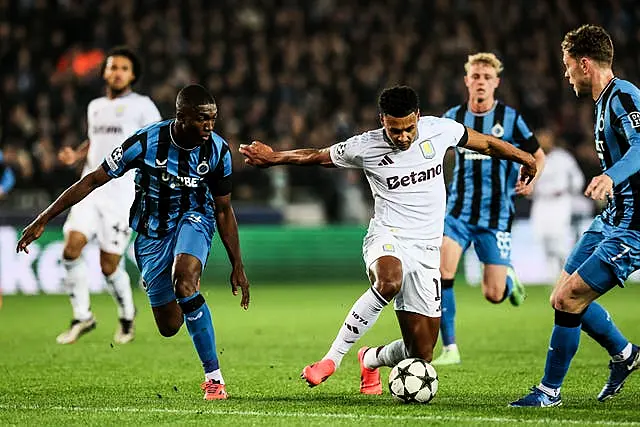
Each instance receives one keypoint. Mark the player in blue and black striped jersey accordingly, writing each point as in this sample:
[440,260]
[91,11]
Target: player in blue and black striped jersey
[609,251]
[183,191]
[480,205]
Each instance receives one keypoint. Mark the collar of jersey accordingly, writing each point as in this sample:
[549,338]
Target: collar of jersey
[173,141]
[489,111]
[605,88]
[388,140]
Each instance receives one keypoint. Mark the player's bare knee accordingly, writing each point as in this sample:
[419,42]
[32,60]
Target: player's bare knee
[108,267]
[168,330]
[72,251]
[493,293]
[185,282]
[388,287]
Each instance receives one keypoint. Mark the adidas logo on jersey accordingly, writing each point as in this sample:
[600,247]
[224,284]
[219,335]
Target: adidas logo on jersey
[385,161]
[394,182]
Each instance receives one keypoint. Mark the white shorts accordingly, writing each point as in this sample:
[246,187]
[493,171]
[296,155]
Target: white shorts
[420,291]
[108,223]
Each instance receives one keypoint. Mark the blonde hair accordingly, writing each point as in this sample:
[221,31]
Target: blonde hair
[484,58]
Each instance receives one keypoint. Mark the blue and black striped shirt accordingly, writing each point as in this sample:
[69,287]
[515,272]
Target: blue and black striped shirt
[482,191]
[170,181]
[617,136]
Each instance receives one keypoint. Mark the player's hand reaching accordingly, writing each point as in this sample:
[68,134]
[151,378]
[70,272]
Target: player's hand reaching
[257,154]
[600,188]
[528,171]
[523,189]
[31,232]
[239,279]
[67,156]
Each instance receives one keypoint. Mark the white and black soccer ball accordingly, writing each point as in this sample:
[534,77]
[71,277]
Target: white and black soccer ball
[413,381]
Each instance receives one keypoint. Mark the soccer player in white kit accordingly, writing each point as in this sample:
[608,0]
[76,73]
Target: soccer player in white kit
[104,214]
[553,198]
[403,164]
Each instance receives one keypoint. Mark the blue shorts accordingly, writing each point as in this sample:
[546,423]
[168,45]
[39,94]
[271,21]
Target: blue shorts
[154,256]
[605,256]
[492,246]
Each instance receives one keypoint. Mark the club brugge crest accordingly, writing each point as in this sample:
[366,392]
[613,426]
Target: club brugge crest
[202,168]
[497,130]
[427,149]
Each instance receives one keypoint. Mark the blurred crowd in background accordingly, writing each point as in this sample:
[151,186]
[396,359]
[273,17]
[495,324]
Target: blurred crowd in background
[292,73]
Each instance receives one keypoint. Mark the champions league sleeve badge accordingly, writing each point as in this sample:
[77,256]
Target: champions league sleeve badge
[202,168]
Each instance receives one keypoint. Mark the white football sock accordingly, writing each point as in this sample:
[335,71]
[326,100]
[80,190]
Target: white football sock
[388,355]
[553,392]
[361,317]
[119,286]
[624,354]
[450,347]
[75,283]
[214,375]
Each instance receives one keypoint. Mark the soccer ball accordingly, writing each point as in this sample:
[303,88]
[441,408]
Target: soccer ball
[413,381]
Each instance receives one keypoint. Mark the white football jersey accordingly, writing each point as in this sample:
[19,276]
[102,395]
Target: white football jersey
[110,122]
[407,186]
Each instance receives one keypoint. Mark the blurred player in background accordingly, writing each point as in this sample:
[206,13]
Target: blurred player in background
[7,181]
[609,251]
[403,164]
[103,215]
[183,190]
[480,208]
[553,198]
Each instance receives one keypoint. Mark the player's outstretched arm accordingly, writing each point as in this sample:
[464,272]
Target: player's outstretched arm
[494,147]
[263,156]
[228,228]
[68,198]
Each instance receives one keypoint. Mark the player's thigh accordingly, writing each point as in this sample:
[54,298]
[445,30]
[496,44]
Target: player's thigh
[383,257]
[154,257]
[419,333]
[450,254]
[456,240]
[191,251]
[492,246]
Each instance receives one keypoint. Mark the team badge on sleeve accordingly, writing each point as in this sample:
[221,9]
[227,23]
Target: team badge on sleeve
[634,118]
[427,149]
[114,158]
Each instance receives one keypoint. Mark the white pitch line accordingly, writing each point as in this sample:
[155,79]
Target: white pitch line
[452,418]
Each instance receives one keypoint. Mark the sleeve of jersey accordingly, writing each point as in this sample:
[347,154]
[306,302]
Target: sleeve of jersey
[124,157]
[220,180]
[523,135]
[627,124]
[348,154]
[456,133]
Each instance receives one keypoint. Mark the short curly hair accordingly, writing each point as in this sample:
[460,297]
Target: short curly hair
[589,41]
[398,101]
[136,67]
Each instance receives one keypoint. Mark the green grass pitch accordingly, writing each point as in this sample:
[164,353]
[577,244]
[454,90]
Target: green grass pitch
[155,380]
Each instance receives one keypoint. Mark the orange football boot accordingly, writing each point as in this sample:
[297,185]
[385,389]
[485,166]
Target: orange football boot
[369,378]
[318,372]
[214,390]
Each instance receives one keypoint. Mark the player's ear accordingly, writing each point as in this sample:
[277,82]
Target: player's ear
[585,64]
[381,117]
[497,81]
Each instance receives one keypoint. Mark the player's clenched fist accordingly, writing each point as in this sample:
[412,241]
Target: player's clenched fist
[257,154]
